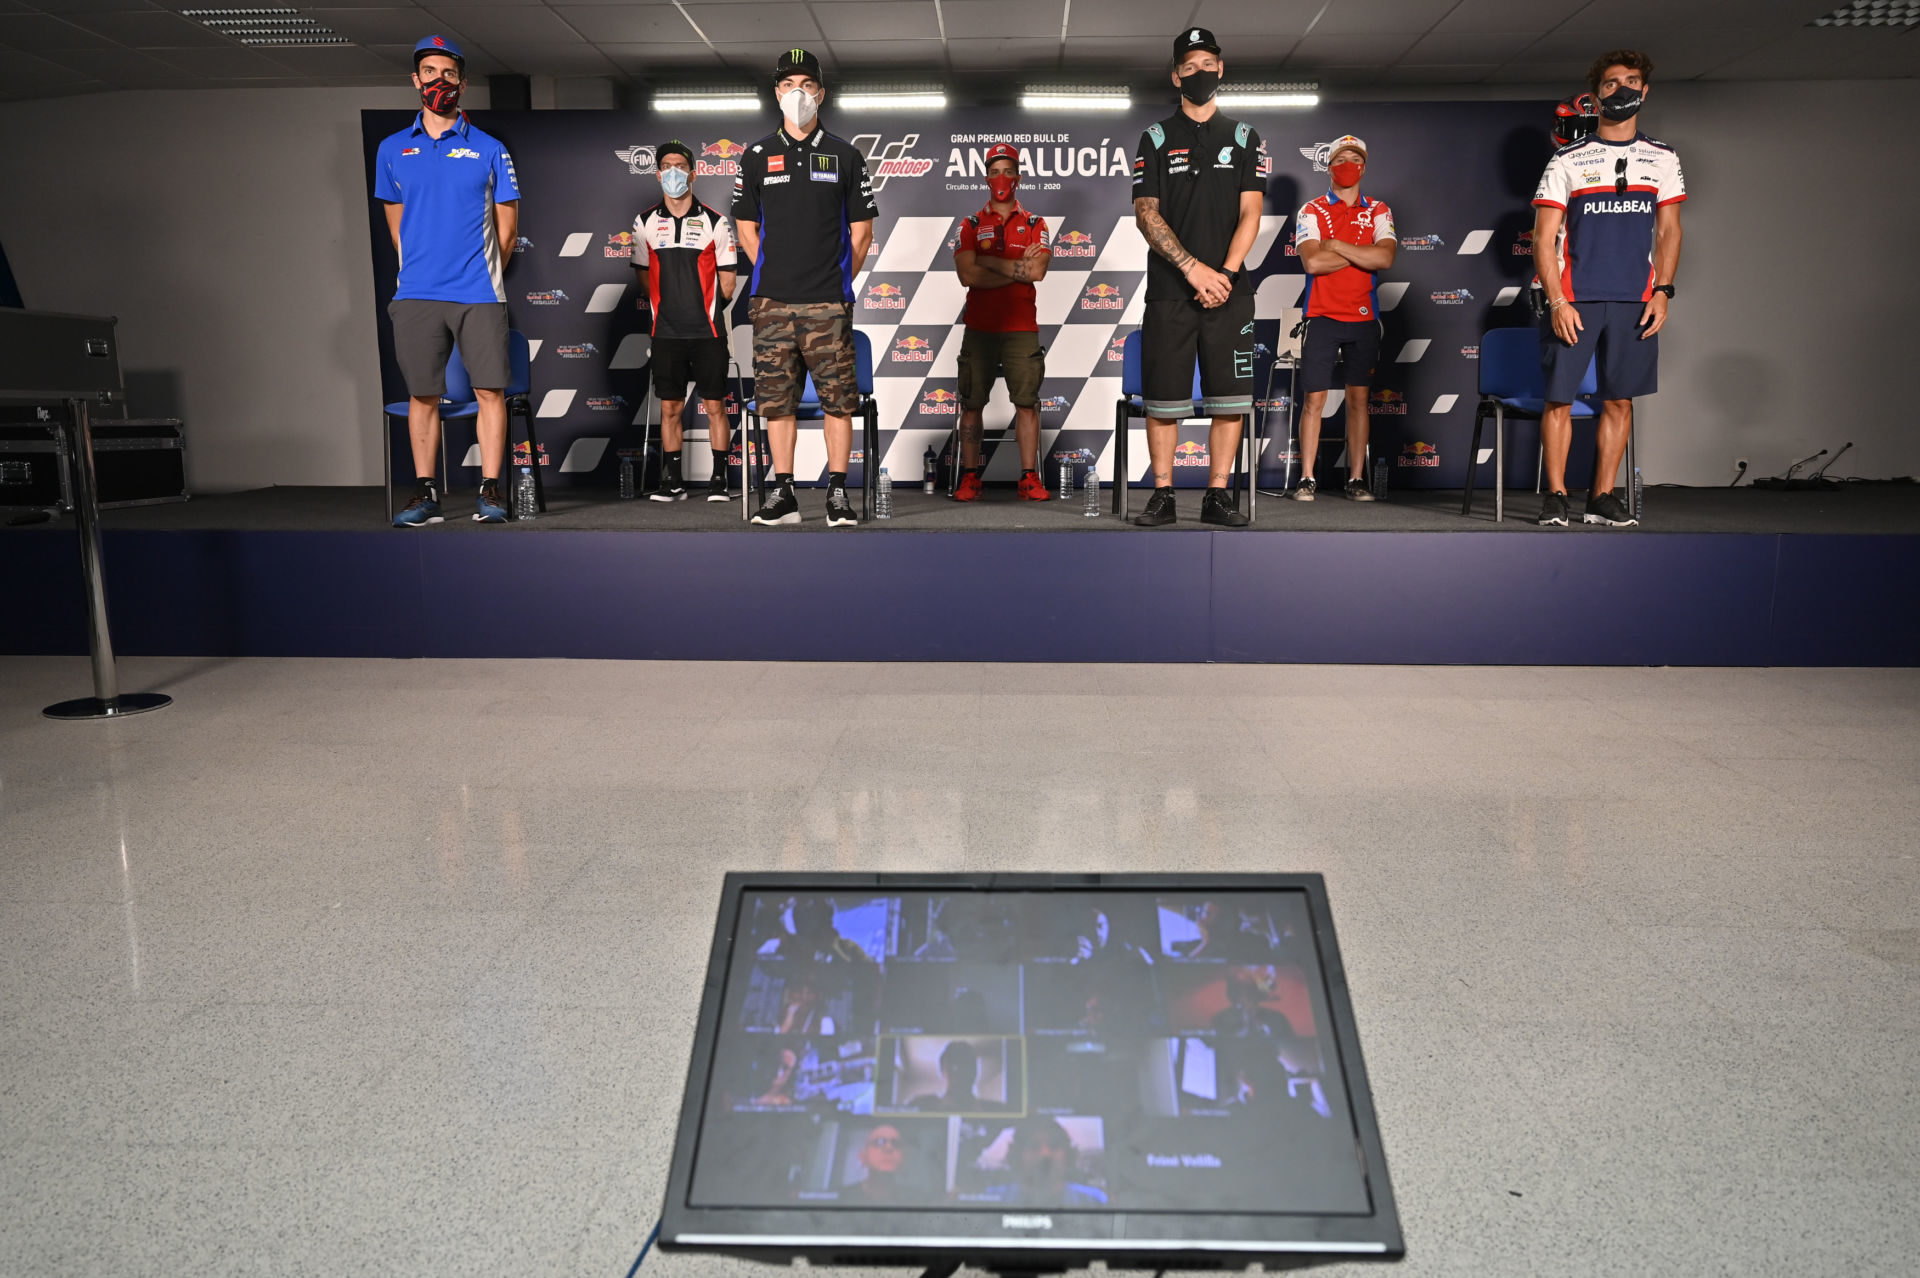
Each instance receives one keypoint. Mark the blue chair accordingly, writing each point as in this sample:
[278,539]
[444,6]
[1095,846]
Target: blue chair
[459,401]
[754,446]
[1132,403]
[1513,385]
[651,412]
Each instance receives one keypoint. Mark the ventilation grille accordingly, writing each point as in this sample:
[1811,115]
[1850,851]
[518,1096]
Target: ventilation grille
[1872,13]
[265,26]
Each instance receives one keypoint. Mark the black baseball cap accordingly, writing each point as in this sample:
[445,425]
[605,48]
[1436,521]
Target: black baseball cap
[673,147]
[1194,38]
[797,62]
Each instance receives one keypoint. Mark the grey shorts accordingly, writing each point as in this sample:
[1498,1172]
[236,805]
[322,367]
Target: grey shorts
[424,334]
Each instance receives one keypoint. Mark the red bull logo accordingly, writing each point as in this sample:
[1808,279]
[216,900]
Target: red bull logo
[725,148]
[1190,452]
[1523,244]
[724,161]
[1421,243]
[1386,403]
[1470,352]
[583,350]
[1117,350]
[1420,455]
[1103,297]
[1451,297]
[619,244]
[885,297]
[913,350]
[520,454]
[547,297]
[940,401]
[606,403]
[1074,244]
[1055,404]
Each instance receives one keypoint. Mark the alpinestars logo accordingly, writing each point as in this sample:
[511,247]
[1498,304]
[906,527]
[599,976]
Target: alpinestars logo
[1319,153]
[890,160]
[638,159]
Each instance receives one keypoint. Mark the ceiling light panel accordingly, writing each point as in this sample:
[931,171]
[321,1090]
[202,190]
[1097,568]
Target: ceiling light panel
[265,26]
[1872,13]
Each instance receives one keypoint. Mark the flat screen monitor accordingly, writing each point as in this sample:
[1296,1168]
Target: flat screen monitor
[1028,1072]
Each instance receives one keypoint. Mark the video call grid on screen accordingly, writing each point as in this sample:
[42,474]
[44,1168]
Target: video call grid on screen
[1098,1050]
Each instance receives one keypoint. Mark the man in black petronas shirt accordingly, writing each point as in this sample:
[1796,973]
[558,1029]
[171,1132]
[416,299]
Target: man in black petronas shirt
[1197,198]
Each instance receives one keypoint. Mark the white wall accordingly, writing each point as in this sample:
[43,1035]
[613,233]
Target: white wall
[227,229]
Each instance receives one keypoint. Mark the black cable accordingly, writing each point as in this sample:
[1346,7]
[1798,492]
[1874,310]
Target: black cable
[645,1247]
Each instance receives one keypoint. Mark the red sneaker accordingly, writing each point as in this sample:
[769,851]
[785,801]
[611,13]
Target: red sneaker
[969,489]
[1032,489]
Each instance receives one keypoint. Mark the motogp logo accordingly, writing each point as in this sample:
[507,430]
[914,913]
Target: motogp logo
[891,160]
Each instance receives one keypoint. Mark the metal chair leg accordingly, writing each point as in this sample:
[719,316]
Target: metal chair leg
[386,460]
[1633,491]
[1473,460]
[1499,464]
[1121,470]
[446,471]
[870,459]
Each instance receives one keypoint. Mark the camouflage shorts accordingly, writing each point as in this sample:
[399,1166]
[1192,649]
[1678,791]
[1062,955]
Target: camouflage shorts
[791,339]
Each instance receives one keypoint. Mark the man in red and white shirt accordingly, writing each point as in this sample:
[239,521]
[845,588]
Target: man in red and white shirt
[1002,252]
[1343,239]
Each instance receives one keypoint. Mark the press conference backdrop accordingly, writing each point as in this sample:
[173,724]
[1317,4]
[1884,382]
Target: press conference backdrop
[1458,176]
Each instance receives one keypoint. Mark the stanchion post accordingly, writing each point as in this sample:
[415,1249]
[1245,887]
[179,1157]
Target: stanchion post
[106,701]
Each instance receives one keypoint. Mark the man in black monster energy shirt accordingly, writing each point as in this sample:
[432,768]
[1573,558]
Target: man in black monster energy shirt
[1197,198]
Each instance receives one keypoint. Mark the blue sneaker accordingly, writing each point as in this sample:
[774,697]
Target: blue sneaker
[418,513]
[488,509]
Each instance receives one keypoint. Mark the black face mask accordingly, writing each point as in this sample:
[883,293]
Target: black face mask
[1199,86]
[1621,104]
[442,97]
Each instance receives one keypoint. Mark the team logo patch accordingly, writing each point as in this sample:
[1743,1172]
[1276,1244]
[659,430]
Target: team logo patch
[463,153]
[1225,158]
[826,168]
[638,159]
[1387,403]
[1074,244]
[619,244]
[1418,453]
[549,297]
[776,164]
[1103,297]
[1450,297]
[412,150]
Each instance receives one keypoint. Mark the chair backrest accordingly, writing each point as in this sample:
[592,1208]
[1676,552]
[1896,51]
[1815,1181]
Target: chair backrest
[862,362]
[520,364]
[459,385]
[1131,383]
[1510,366]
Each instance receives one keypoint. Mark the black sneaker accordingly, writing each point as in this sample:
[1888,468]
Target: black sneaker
[1553,511]
[1357,490]
[1159,512]
[717,487]
[781,507]
[1608,509]
[1217,508]
[840,513]
[1307,490]
[672,488]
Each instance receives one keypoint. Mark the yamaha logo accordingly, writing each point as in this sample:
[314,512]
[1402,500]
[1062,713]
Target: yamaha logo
[1026,1222]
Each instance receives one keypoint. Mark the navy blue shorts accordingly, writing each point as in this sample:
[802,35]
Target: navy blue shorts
[1354,344]
[1629,366]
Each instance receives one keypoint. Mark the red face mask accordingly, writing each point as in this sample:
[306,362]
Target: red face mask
[1347,173]
[442,97]
[1002,187]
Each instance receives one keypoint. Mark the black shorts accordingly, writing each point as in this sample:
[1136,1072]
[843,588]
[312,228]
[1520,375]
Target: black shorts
[679,360]
[1330,342]
[1176,330]
[424,334]
[1628,364]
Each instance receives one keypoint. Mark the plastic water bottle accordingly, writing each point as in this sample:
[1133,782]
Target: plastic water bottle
[883,498]
[525,503]
[1637,490]
[1090,486]
[930,471]
[1380,477]
[626,479]
[1065,462]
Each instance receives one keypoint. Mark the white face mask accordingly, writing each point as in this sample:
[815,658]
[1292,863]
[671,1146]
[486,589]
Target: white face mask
[798,106]
[674,182]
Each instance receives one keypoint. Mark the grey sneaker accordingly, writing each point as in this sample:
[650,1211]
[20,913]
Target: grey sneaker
[1306,491]
[1357,490]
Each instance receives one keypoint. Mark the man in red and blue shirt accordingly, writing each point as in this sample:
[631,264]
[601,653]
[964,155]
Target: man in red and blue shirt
[1344,239]
[453,210]
[1606,245]
[1002,252]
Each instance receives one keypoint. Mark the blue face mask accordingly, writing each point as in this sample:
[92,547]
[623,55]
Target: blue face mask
[675,182]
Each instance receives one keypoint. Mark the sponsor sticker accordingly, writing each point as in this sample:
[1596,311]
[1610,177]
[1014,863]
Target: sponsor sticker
[885,297]
[581,350]
[1470,352]
[547,297]
[912,350]
[412,150]
[1074,244]
[1103,297]
[1421,243]
[1450,297]
[606,403]
[1387,403]
[1420,454]
[1190,452]
[619,244]
[463,153]
[940,401]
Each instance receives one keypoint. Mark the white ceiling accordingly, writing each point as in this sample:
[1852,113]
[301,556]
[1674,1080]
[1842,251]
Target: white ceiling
[53,47]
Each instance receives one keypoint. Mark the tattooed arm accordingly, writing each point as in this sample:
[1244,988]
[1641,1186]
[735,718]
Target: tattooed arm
[1209,285]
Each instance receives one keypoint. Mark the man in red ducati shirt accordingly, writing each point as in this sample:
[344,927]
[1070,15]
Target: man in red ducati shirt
[1003,251]
[1343,238]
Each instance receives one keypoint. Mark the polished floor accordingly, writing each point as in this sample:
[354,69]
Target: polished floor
[389,968]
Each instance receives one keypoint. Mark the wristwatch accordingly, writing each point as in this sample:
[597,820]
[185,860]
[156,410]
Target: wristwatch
[1664,288]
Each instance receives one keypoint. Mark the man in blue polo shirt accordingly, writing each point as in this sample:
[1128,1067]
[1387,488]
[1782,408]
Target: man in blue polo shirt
[453,210]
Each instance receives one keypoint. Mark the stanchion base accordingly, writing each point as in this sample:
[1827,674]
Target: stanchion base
[119,708]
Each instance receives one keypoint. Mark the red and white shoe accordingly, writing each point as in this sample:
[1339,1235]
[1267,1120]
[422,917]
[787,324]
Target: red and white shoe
[969,489]
[1032,488]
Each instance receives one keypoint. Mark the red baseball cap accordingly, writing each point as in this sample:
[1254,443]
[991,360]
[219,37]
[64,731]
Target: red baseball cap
[1002,151]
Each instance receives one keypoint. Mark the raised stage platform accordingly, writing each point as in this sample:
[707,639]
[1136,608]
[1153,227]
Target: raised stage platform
[1715,577]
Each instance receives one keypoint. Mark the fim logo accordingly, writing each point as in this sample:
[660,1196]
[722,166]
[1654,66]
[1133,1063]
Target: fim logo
[1523,244]
[1470,352]
[942,402]
[1190,452]
[913,350]
[606,403]
[1055,404]
[551,297]
[719,159]
[520,455]
[619,244]
[585,350]
[1073,244]
[1421,243]
[1117,350]
[1387,403]
[885,297]
[1451,297]
[1419,454]
[1103,297]
[521,244]
[888,161]
[1319,153]
[638,159]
